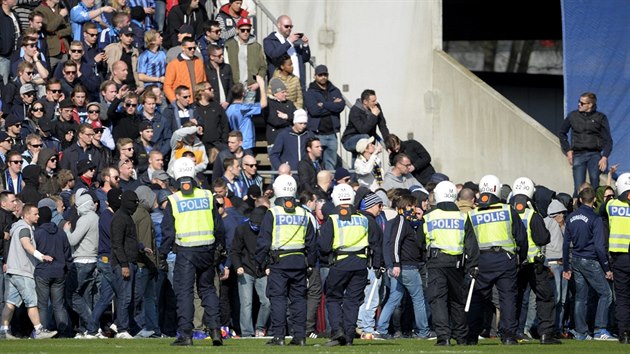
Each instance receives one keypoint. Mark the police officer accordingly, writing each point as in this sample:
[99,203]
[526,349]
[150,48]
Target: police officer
[347,240]
[286,249]
[618,211]
[533,271]
[453,253]
[192,222]
[501,238]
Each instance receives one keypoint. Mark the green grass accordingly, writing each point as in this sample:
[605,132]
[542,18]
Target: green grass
[257,346]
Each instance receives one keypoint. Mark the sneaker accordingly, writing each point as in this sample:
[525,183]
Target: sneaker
[124,335]
[43,333]
[522,338]
[430,336]
[144,334]
[603,334]
[86,335]
[382,336]
[398,335]
[260,333]
[6,335]
[113,327]
[312,335]
[583,337]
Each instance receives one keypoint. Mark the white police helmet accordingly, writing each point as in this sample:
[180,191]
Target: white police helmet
[524,186]
[284,186]
[445,191]
[490,184]
[183,167]
[343,194]
[623,183]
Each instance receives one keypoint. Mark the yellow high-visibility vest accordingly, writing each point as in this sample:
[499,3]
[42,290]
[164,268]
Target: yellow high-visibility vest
[289,229]
[493,227]
[350,235]
[445,230]
[194,222]
[619,219]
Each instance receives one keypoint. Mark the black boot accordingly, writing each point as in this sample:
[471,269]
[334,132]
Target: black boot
[217,339]
[624,338]
[276,341]
[509,341]
[298,341]
[182,341]
[443,343]
[338,338]
[549,339]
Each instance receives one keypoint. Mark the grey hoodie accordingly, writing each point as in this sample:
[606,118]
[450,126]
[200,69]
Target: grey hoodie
[84,239]
[19,262]
[144,225]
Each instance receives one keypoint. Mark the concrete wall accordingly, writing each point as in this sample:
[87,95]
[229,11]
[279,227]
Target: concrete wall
[394,47]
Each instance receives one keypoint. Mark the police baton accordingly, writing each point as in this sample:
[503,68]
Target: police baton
[372,292]
[470,292]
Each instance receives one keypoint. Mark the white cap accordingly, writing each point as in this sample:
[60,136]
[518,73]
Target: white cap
[362,144]
[343,194]
[524,186]
[623,183]
[183,167]
[300,116]
[490,184]
[445,191]
[284,186]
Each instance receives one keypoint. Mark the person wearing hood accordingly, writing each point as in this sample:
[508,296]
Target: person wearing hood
[555,223]
[47,159]
[290,144]
[450,239]
[364,117]
[50,278]
[533,272]
[228,17]
[324,103]
[86,173]
[145,297]
[30,192]
[107,284]
[245,71]
[502,241]
[125,247]
[191,222]
[84,241]
[56,217]
[591,141]
[188,12]
[82,149]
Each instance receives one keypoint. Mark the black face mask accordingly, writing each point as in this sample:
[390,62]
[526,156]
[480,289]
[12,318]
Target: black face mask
[129,202]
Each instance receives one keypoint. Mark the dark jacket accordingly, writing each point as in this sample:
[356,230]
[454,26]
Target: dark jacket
[225,74]
[274,50]
[181,15]
[585,231]
[104,233]
[161,132]
[49,183]
[123,125]
[289,147]
[439,259]
[590,131]
[30,192]
[419,157]
[274,123]
[403,245]
[307,173]
[124,239]
[362,121]
[52,241]
[75,153]
[7,34]
[215,124]
[323,120]
[7,219]
[243,250]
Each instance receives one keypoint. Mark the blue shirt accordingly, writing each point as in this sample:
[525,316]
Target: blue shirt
[240,118]
[152,64]
[585,230]
[78,16]
[149,22]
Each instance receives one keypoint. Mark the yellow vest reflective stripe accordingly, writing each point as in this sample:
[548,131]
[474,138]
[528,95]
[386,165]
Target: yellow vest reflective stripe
[619,219]
[289,229]
[194,222]
[493,227]
[350,235]
[445,230]
[532,249]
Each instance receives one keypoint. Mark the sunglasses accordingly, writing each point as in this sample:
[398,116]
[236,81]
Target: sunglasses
[19,125]
[288,26]
[99,131]
[251,165]
[216,31]
[129,105]
[31,45]
[243,30]
[91,34]
[16,162]
[128,149]
[94,111]
[191,48]
[54,159]
[76,50]
[37,145]
[70,72]
[55,91]
[28,72]
[37,109]
[186,97]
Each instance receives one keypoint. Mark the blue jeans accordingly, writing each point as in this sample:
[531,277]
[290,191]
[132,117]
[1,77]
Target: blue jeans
[106,290]
[124,292]
[367,311]
[351,144]
[246,285]
[588,273]
[145,300]
[80,282]
[160,14]
[53,290]
[329,155]
[582,162]
[560,294]
[5,69]
[409,279]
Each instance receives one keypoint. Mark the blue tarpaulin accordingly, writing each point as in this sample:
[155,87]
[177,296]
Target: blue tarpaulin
[596,37]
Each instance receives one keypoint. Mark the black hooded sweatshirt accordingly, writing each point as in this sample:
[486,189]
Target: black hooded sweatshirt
[30,193]
[124,239]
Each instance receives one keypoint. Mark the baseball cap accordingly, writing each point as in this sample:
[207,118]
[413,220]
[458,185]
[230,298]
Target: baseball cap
[243,21]
[186,28]
[362,144]
[144,126]
[321,69]
[126,31]
[26,88]
[67,103]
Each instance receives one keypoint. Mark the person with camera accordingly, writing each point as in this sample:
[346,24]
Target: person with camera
[192,222]
[533,271]
[283,41]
